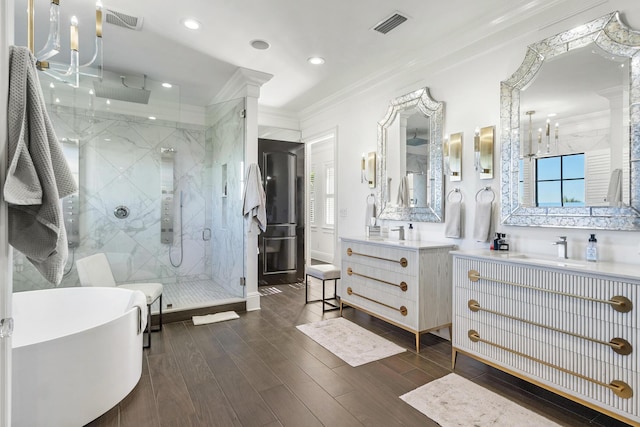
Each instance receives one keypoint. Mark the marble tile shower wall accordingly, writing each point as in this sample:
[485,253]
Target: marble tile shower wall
[120,165]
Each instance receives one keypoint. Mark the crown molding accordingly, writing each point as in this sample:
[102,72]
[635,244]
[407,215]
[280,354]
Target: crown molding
[244,82]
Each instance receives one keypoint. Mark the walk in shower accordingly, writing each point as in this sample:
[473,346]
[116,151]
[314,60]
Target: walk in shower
[160,193]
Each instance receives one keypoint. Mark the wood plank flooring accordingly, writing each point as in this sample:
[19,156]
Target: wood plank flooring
[259,370]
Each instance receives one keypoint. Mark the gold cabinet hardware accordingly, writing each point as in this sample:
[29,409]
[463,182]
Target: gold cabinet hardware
[618,302]
[619,345]
[403,285]
[402,309]
[403,261]
[620,388]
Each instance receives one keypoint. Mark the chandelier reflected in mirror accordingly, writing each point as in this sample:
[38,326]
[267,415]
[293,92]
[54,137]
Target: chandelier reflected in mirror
[528,150]
[67,73]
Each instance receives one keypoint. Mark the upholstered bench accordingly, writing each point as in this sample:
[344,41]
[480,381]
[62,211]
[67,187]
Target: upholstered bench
[323,272]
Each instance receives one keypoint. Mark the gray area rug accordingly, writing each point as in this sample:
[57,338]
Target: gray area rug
[453,401]
[350,342]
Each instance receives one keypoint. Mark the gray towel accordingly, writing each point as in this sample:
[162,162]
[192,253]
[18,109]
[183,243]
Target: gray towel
[254,198]
[482,223]
[453,216]
[38,174]
[403,192]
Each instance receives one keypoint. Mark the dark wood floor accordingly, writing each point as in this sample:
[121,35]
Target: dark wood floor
[260,370]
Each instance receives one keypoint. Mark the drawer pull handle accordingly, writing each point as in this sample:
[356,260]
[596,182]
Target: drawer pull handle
[619,345]
[620,388]
[403,261]
[618,302]
[403,285]
[402,309]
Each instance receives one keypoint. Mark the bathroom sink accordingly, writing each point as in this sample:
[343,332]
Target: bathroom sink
[553,262]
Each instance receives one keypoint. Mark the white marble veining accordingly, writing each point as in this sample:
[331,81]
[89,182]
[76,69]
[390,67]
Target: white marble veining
[120,165]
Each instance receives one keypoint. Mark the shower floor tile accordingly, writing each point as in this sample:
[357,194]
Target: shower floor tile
[193,294]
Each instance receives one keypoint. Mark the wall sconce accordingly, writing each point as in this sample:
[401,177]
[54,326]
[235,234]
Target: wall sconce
[445,156]
[476,149]
[486,140]
[455,156]
[371,169]
[368,169]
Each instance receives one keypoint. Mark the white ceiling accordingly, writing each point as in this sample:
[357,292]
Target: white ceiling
[202,61]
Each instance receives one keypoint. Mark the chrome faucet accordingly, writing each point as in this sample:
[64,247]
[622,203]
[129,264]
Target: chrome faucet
[562,247]
[400,231]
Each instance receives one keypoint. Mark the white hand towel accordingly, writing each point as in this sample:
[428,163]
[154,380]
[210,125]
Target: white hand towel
[38,174]
[403,192]
[614,193]
[482,223]
[254,200]
[370,211]
[453,217]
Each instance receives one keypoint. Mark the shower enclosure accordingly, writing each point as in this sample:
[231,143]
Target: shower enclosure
[128,208]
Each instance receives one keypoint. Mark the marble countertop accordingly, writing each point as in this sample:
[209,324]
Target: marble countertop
[628,271]
[412,244]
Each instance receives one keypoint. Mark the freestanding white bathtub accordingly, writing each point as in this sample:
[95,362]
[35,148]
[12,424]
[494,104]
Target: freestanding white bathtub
[77,352]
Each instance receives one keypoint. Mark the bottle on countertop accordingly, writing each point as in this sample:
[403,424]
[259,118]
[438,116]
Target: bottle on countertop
[410,231]
[592,249]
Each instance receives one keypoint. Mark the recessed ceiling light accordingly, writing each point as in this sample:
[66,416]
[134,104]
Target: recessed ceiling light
[167,85]
[51,85]
[152,117]
[90,91]
[57,100]
[190,23]
[316,60]
[260,44]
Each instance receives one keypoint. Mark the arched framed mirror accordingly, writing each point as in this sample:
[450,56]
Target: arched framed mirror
[570,118]
[410,159]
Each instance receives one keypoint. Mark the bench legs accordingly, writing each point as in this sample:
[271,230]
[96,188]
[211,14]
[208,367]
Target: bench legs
[325,301]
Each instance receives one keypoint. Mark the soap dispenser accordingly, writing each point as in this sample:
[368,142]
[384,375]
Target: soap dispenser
[410,232]
[592,249]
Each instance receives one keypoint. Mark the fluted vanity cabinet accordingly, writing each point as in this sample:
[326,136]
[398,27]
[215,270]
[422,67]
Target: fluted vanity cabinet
[406,283]
[570,327]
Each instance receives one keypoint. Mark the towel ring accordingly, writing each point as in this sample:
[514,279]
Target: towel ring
[493,195]
[453,192]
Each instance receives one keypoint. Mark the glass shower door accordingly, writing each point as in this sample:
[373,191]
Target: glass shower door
[223,233]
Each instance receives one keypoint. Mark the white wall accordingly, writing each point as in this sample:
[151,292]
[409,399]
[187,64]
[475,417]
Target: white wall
[467,79]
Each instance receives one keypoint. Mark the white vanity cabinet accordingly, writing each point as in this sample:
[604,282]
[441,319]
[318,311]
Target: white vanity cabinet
[406,283]
[571,328]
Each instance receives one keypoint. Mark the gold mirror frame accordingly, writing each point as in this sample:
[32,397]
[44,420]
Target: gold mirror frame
[613,36]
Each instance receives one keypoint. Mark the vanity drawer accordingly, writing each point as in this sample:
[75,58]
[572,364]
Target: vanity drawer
[398,260]
[580,374]
[379,280]
[384,305]
[562,292]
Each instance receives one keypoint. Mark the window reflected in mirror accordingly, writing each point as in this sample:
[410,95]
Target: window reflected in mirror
[575,110]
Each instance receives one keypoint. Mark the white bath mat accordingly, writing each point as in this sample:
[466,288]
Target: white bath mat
[212,318]
[350,342]
[453,401]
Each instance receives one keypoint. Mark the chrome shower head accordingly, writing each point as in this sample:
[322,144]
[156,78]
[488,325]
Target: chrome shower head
[122,92]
